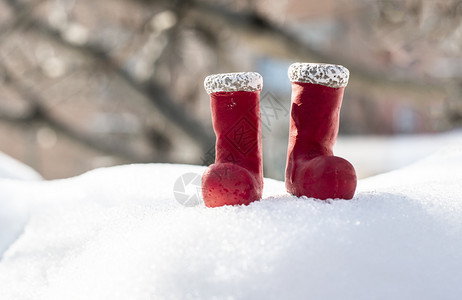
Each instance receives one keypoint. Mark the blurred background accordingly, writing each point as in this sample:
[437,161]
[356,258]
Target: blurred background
[87,84]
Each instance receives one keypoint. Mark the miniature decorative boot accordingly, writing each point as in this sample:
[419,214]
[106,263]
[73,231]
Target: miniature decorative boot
[312,170]
[236,177]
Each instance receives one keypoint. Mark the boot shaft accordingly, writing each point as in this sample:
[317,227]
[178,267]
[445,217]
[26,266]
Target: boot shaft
[237,125]
[314,118]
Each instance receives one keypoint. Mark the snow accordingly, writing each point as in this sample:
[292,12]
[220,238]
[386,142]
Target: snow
[12,218]
[119,233]
[334,76]
[233,82]
[13,169]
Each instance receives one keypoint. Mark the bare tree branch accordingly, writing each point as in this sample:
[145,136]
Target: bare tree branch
[37,112]
[154,92]
[21,17]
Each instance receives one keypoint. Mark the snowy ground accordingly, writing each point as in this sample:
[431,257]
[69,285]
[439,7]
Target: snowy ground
[13,169]
[119,233]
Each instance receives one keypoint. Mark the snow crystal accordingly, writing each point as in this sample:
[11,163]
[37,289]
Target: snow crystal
[119,233]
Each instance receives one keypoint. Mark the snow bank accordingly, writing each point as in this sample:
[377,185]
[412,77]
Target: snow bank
[13,169]
[118,233]
[12,218]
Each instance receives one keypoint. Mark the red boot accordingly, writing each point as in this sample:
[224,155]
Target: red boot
[312,170]
[236,177]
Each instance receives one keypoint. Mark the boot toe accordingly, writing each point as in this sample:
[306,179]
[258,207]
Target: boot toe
[325,177]
[229,184]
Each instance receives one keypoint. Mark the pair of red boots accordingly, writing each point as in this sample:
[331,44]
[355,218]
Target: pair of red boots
[312,170]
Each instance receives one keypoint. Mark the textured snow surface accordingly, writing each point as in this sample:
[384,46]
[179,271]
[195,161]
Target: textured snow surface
[232,82]
[13,169]
[118,233]
[334,76]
